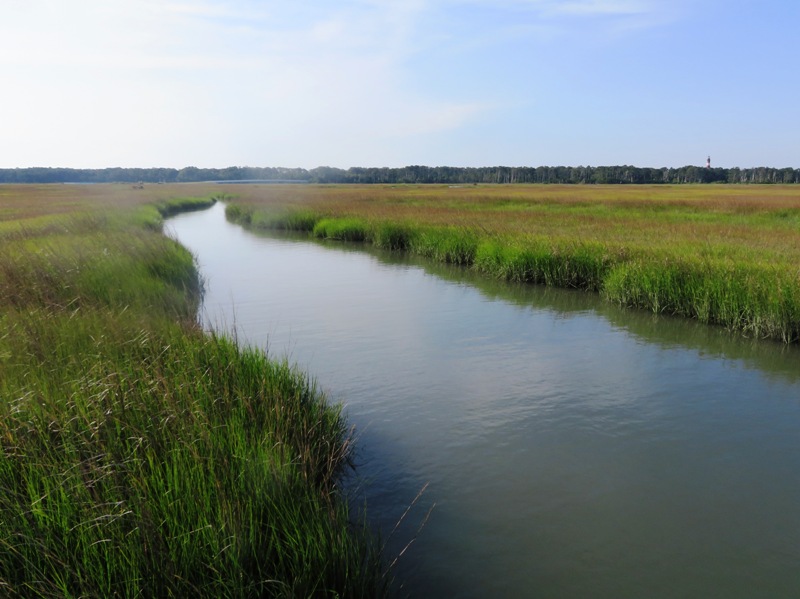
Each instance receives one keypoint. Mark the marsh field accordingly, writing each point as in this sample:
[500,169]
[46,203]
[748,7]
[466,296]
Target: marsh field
[143,456]
[723,255]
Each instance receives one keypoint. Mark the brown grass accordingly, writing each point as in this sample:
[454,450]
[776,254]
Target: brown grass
[19,202]
[760,221]
[696,219]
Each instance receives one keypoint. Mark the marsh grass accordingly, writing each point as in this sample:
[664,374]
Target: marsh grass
[721,254]
[393,236]
[139,463]
[342,229]
[294,220]
[453,245]
[575,266]
[140,457]
[759,300]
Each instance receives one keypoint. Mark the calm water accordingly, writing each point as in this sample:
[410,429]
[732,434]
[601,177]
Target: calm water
[571,449]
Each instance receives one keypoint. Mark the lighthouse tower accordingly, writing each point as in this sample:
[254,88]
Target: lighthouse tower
[708,162]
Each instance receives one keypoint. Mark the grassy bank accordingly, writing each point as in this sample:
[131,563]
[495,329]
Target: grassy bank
[140,457]
[724,255]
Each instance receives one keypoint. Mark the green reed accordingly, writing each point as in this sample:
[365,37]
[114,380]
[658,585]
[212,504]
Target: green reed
[453,245]
[140,457]
[342,229]
[290,220]
[761,300]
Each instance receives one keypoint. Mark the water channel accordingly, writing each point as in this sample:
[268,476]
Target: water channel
[570,448]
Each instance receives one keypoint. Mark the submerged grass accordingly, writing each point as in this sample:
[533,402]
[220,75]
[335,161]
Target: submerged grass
[140,457]
[724,255]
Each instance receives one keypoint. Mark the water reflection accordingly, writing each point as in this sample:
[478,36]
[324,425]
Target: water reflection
[572,448]
[668,332]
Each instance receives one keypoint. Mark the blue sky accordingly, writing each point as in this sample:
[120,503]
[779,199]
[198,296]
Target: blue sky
[212,83]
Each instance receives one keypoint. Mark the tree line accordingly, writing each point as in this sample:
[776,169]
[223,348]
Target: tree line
[410,175]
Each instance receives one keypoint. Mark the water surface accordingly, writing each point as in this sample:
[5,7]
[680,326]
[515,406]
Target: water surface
[570,448]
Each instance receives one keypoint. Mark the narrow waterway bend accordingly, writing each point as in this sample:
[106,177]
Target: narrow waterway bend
[570,448]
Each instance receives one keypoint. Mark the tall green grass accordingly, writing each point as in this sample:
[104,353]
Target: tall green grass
[454,245]
[577,266]
[342,229]
[759,300]
[152,215]
[156,463]
[290,220]
[140,270]
[140,457]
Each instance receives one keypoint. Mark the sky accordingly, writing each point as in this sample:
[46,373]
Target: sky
[374,83]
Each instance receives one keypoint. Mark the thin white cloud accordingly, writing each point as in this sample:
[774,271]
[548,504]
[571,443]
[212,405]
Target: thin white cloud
[600,7]
[550,23]
[188,79]
[268,81]
[446,116]
[567,7]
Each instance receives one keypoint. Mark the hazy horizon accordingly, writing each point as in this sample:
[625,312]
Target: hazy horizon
[393,83]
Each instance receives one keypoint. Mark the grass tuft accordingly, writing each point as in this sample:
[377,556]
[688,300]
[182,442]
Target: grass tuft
[761,301]
[446,244]
[342,229]
[392,236]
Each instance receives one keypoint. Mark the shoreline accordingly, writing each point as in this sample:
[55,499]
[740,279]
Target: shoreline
[754,298]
